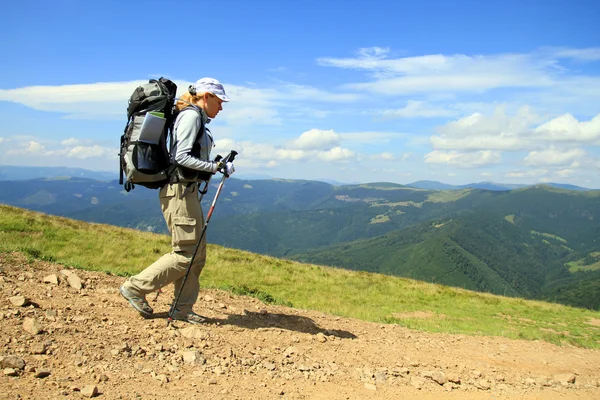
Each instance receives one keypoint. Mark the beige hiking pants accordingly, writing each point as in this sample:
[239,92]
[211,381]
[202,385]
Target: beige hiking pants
[185,222]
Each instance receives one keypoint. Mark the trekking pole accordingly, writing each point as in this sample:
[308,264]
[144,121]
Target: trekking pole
[229,158]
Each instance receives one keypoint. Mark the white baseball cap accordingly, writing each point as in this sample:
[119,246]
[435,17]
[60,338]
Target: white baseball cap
[211,85]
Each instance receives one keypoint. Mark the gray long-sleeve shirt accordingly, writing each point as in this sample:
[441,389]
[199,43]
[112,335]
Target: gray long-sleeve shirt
[186,129]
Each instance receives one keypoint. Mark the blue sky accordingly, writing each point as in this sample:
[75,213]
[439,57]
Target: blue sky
[350,91]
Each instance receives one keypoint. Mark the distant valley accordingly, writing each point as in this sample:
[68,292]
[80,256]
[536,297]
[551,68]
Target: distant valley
[539,242]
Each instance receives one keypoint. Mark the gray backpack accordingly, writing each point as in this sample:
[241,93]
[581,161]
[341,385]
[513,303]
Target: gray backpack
[144,155]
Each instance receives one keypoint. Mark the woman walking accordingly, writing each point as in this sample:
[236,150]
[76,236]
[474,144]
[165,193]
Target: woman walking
[190,165]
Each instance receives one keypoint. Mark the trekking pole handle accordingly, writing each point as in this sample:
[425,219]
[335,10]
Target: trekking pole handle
[230,157]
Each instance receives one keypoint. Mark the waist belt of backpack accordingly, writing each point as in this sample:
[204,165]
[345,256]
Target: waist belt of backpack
[189,187]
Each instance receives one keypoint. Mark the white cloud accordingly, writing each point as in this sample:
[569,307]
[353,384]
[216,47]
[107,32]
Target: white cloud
[496,132]
[2,139]
[460,73]
[85,152]
[108,100]
[35,148]
[567,128]
[497,123]
[71,142]
[385,156]
[250,116]
[417,109]
[291,154]
[407,157]
[461,159]
[554,156]
[589,54]
[532,173]
[450,83]
[315,139]
[336,154]
[311,145]
[68,148]
[500,131]
[371,137]
[374,59]
[565,173]
[29,148]
[291,91]
[373,52]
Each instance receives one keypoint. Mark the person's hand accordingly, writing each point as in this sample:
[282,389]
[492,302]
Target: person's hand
[228,169]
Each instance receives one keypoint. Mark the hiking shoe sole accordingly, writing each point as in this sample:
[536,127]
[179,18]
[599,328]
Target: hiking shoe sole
[191,318]
[137,302]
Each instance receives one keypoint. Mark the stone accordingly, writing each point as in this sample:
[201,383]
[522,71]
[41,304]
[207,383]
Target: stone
[483,384]
[380,376]
[51,315]
[74,281]
[290,350]
[193,333]
[321,337]
[439,377]
[124,348]
[370,386]
[52,279]
[89,391]
[417,383]
[18,301]
[454,378]
[11,372]
[66,273]
[564,379]
[38,348]
[530,382]
[193,358]
[269,366]
[12,362]
[32,326]
[42,373]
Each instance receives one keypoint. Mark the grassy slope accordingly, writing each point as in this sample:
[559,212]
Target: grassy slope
[367,296]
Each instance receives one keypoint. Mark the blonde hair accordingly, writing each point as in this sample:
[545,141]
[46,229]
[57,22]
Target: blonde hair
[186,99]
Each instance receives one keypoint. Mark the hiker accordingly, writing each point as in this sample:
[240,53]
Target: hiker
[190,165]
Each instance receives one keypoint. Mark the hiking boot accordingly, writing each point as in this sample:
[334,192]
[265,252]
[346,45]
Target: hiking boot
[190,317]
[139,303]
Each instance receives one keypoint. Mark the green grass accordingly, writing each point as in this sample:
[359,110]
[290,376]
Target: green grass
[548,235]
[361,295]
[445,196]
[575,266]
[510,218]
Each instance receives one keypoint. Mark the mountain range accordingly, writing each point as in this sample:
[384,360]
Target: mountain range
[537,242]
[15,173]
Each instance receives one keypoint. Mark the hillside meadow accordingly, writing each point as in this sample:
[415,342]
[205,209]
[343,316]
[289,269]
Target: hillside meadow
[354,294]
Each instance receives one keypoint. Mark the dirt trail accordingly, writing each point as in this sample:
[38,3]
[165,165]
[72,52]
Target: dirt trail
[77,343]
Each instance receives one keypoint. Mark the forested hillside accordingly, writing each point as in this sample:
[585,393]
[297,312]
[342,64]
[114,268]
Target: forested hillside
[535,242]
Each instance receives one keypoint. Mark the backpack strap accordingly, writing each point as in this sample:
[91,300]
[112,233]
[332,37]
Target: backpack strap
[172,171]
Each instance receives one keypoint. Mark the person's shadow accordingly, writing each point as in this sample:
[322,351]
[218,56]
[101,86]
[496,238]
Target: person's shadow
[255,320]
